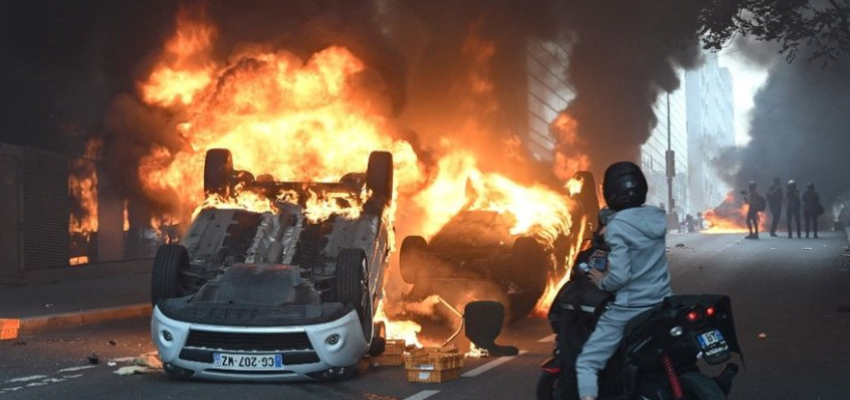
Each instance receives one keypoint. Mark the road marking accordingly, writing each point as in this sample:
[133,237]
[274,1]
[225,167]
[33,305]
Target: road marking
[490,365]
[548,339]
[423,395]
[26,378]
[75,369]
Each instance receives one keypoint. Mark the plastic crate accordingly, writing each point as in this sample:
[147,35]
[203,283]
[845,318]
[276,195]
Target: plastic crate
[395,347]
[423,376]
[433,359]
[9,328]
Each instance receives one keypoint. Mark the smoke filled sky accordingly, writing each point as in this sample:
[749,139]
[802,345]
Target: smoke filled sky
[798,125]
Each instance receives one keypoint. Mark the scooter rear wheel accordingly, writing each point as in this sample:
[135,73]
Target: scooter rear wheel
[547,385]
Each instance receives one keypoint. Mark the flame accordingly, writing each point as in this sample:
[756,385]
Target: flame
[460,185]
[315,120]
[730,217]
[277,114]
[574,186]
[568,160]
[82,186]
[185,66]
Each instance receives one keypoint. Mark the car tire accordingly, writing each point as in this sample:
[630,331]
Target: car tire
[352,286]
[379,176]
[170,259]
[697,386]
[529,264]
[218,172]
[413,249]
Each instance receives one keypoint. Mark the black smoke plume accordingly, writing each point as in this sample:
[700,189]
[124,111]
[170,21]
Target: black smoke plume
[625,54]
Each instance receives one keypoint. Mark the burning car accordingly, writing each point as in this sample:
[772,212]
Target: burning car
[286,294]
[478,252]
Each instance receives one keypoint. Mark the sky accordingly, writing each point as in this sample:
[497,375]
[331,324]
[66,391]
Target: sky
[747,78]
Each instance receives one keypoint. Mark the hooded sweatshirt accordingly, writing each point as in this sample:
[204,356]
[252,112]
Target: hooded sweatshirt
[638,272]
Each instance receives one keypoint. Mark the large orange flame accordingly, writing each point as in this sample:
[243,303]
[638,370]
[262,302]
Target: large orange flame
[317,120]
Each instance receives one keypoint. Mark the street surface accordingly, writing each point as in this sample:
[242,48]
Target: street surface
[794,291]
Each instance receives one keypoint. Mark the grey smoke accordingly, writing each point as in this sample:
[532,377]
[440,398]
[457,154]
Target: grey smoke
[800,128]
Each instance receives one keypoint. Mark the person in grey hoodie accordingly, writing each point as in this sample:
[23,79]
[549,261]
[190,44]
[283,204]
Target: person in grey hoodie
[638,273]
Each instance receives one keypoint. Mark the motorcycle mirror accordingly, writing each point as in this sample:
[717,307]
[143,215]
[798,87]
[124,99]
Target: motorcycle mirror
[484,324]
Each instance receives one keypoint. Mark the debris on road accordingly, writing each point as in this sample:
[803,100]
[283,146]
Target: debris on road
[112,343]
[762,335]
[433,364]
[149,360]
[807,248]
[112,363]
[93,359]
[680,245]
[133,370]
[843,309]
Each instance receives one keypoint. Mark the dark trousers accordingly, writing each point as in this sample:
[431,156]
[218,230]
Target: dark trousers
[775,215]
[793,214]
[753,223]
[811,220]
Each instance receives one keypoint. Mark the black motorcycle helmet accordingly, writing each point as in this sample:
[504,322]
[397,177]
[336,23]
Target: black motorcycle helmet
[624,186]
[810,186]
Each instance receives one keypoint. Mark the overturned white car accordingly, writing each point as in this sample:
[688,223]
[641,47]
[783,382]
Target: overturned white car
[274,296]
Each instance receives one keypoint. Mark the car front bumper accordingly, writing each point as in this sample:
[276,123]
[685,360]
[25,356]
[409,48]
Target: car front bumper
[318,359]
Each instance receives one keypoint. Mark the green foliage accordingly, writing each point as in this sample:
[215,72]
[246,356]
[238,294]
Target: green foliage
[821,25]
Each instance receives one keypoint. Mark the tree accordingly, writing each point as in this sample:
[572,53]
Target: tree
[823,25]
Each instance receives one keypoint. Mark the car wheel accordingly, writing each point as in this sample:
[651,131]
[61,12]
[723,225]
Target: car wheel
[218,172]
[379,175]
[352,286]
[165,276]
[529,264]
[413,250]
[697,386]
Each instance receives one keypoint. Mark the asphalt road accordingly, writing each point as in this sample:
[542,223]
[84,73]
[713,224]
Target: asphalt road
[794,291]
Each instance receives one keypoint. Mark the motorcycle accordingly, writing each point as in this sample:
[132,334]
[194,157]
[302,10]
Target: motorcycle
[658,357]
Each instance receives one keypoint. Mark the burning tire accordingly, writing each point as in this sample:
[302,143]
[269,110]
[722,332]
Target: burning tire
[413,250]
[528,267]
[218,171]
[379,175]
[352,287]
[165,277]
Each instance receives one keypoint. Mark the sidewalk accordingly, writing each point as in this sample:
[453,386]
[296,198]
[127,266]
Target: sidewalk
[79,302]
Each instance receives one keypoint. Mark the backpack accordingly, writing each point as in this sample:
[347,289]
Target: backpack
[759,203]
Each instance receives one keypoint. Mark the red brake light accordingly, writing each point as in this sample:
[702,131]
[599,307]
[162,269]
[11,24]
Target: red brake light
[709,311]
[693,316]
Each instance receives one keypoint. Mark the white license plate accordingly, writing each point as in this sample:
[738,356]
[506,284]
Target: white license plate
[712,342]
[248,362]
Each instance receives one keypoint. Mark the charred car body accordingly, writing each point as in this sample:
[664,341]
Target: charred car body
[475,252]
[274,296]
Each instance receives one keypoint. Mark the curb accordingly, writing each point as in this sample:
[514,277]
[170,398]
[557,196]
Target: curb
[86,317]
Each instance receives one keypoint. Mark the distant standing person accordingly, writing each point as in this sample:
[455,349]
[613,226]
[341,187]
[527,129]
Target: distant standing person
[774,201]
[793,196]
[757,204]
[812,209]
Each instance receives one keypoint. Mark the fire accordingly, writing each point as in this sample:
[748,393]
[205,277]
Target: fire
[185,66]
[568,160]
[316,119]
[82,186]
[459,185]
[574,186]
[278,115]
[399,328]
[731,217]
